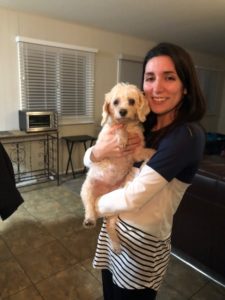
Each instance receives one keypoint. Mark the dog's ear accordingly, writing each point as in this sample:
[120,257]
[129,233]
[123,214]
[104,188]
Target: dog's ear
[105,109]
[143,107]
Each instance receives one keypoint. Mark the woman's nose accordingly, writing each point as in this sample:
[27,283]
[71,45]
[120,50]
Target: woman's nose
[158,85]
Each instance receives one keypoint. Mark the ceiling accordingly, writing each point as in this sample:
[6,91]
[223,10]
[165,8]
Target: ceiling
[196,25]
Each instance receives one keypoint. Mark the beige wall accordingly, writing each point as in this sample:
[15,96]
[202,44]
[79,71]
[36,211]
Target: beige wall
[110,45]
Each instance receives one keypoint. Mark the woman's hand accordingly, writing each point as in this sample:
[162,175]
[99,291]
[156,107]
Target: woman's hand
[134,141]
[108,146]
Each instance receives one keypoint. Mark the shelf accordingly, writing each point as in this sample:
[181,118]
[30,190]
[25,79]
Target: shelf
[34,156]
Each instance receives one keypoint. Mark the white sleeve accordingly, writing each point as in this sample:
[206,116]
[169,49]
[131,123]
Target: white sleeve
[87,157]
[134,195]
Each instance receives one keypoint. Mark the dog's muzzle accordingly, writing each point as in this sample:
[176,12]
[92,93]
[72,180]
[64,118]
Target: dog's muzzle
[123,112]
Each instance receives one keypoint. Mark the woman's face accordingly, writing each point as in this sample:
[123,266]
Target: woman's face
[162,86]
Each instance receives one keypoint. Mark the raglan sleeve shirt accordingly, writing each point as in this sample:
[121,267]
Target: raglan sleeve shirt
[177,157]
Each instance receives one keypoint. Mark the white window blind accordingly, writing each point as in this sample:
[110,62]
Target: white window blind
[53,77]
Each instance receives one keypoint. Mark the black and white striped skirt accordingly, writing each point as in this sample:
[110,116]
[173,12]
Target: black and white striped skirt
[142,262]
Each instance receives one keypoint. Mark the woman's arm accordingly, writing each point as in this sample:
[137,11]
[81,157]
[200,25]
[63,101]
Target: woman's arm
[133,196]
[107,146]
[177,156]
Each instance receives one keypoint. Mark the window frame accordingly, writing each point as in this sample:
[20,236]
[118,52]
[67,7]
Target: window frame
[58,99]
[211,82]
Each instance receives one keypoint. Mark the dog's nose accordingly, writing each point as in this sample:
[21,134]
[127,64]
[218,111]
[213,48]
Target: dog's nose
[123,112]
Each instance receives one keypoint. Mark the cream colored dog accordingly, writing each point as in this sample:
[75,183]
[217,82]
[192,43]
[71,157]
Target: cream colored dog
[124,104]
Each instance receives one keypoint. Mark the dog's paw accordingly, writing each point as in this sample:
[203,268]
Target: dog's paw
[89,223]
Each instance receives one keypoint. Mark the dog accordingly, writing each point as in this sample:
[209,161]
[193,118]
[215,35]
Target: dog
[125,104]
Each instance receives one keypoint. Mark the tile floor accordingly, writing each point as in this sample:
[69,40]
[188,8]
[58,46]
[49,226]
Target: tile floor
[45,253]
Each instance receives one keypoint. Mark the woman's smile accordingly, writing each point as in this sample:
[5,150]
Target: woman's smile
[163,87]
[159,99]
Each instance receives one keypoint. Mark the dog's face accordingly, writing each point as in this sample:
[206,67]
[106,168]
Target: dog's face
[125,102]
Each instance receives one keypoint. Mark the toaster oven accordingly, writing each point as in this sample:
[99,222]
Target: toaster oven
[35,121]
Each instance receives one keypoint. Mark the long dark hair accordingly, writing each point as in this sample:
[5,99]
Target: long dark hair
[192,107]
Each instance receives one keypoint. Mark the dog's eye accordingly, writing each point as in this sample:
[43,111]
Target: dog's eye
[116,102]
[131,101]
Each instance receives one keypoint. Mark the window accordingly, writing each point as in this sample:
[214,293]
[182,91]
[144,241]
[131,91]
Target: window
[57,77]
[130,69]
[211,82]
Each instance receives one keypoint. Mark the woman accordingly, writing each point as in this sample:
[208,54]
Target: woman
[146,205]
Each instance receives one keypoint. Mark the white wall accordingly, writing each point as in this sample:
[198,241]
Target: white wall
[8,71]
[110,45]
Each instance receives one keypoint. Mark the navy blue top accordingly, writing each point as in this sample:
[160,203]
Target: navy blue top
[179,152]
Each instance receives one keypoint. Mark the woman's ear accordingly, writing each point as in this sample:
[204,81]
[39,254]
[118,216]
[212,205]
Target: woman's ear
[185,91]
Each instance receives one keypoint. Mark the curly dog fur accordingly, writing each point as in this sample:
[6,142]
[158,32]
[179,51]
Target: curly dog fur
[125,104]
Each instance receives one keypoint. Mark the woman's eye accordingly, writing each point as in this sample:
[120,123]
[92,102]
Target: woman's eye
[149,78]
[170,77]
